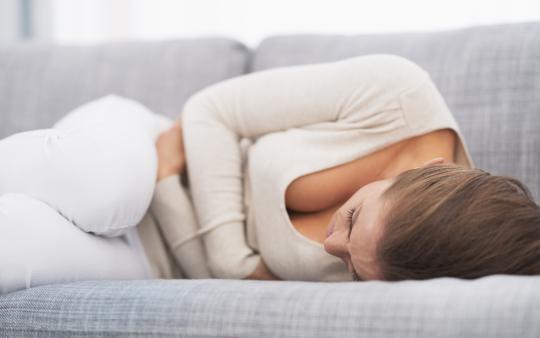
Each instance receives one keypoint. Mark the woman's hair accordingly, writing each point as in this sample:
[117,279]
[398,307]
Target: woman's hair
[451,221]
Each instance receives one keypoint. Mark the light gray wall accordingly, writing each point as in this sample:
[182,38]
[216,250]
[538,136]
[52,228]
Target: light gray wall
[39,15]
[42,20]
[9,20]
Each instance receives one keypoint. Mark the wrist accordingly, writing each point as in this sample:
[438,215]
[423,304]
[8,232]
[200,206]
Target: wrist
[164,173]
[262,273]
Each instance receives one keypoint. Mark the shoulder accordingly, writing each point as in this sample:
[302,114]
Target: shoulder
[419,149]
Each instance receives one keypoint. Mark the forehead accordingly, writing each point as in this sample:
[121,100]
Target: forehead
[367,227]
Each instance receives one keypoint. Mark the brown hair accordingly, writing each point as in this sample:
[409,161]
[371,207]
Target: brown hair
[447,220]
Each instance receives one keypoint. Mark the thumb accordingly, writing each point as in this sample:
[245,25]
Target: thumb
[435,160]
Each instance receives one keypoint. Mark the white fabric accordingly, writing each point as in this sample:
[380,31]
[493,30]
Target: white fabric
[97,166]
[38,246]
[95,171]
[301,119]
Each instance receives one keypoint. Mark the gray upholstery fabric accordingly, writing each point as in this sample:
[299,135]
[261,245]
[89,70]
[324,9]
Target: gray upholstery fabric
[40,83]
[495,306]
[489,76]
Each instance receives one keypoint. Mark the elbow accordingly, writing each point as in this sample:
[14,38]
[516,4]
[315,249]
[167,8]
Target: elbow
[399,64]
[233,269]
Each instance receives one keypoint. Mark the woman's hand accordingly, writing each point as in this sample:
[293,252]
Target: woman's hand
[170,150]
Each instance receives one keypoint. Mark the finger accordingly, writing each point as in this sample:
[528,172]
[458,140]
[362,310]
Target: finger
[436,160]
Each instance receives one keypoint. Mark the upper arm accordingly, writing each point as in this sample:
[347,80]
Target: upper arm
[276,99]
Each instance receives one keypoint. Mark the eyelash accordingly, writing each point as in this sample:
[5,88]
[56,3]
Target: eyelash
[355,277]
[350,213]
[348,217]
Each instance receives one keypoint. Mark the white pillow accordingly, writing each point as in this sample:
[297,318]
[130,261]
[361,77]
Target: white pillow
[97,167]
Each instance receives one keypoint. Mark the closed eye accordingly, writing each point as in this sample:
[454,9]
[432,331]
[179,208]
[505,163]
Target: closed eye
[352,215]
[348,218]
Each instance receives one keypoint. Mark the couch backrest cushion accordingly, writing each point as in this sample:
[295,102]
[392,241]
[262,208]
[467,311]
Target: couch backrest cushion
[39,83]
[489,76]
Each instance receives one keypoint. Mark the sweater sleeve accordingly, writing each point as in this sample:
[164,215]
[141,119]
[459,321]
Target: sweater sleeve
[217,117]
[174,212]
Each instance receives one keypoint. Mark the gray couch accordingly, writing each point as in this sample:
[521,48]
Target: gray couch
[490,77]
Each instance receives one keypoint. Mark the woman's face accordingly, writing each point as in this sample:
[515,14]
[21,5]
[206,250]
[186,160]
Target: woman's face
[358,250]
[355,241]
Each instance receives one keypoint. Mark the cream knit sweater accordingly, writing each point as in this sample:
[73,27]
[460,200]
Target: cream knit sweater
[248,137]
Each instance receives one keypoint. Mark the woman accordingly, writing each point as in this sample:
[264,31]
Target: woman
[331,142]
[328,168]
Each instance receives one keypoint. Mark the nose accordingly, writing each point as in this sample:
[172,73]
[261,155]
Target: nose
[335,244]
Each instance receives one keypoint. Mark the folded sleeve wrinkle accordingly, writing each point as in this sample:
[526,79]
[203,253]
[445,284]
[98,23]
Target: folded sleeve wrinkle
[214,119]
[174,213]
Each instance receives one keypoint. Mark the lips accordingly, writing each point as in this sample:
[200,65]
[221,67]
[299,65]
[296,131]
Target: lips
[330,229]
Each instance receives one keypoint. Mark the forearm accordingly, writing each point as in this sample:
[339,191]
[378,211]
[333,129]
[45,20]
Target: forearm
[173,210]
[215,180]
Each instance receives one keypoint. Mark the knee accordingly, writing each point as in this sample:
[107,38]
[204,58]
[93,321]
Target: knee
[102,182]
[113,112]
[109,178]
[123,189]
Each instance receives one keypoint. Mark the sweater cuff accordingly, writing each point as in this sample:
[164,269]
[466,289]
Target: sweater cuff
[166,185]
